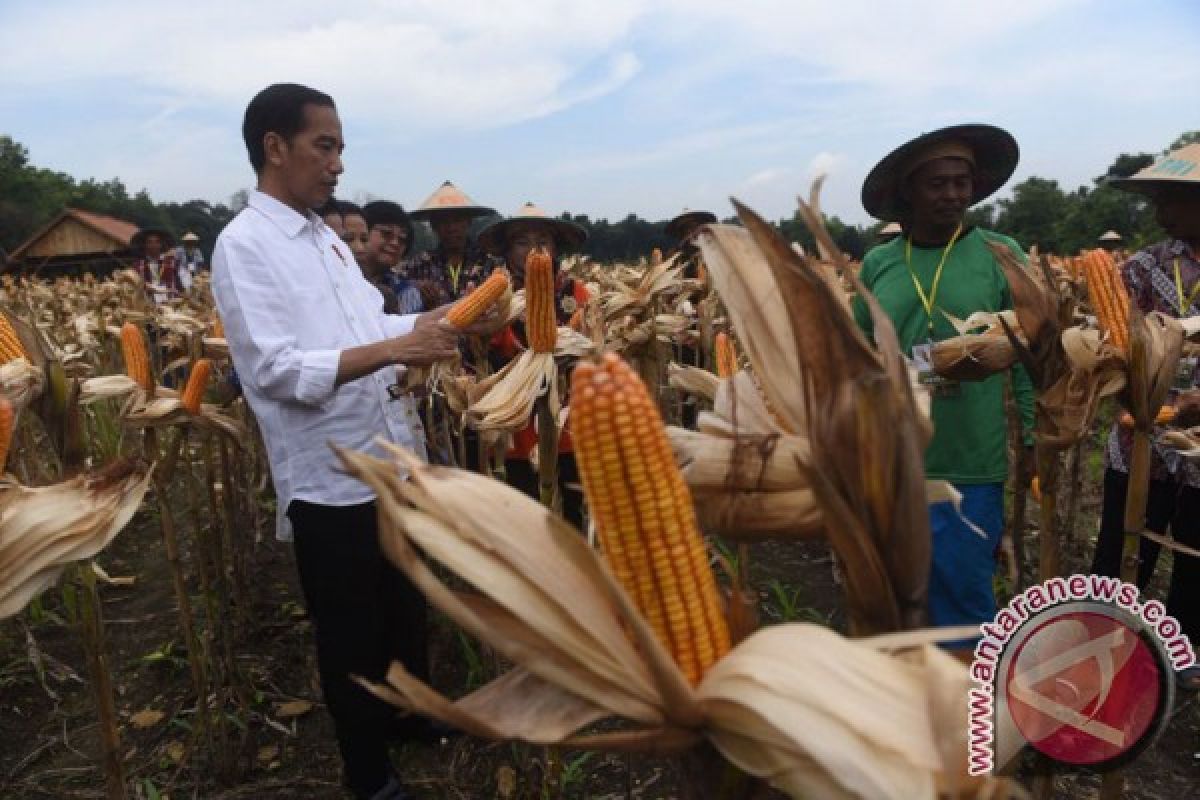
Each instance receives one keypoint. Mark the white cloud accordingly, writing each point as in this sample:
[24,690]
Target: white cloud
[416,66]
[626,105]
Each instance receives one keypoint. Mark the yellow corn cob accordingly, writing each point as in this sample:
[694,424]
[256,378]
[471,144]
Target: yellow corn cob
[471,307]
[137,359]
[643,512]
[7,419]
[1120,294]
[726,356]
[541,323]
[197,381]
[10,344]
[1108,298]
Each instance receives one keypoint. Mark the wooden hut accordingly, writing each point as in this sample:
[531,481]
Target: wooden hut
[75,242]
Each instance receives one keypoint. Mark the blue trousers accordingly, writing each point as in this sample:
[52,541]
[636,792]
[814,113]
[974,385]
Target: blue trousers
[960,582]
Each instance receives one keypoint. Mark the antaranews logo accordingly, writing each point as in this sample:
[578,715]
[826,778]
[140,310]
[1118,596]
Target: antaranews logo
[1078,667]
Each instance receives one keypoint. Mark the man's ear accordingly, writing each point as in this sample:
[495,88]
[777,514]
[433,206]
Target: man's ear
[275,148]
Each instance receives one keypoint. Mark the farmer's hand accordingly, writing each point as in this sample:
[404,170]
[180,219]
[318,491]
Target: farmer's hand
[427,344]
[430,319]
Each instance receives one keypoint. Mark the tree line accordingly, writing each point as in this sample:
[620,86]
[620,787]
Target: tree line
[1039,211]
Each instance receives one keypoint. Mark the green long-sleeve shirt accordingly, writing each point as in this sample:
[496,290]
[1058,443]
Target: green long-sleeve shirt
[970,428]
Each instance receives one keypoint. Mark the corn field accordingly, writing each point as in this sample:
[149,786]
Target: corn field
[741,615]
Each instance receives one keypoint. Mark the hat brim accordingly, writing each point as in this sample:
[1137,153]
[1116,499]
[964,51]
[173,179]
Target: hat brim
[675,227]
[568,235]
[466,211]
[996,156]
[1152,187]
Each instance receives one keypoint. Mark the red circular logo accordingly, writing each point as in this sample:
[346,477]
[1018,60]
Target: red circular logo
[1084,687]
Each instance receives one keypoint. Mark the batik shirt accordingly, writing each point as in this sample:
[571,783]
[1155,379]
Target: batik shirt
[1149,276]
[439,282]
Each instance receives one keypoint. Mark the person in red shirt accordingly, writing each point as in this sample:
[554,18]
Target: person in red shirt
[513,239]
[156,263]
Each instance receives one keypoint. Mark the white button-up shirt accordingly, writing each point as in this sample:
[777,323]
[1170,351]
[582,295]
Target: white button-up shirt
[292,298]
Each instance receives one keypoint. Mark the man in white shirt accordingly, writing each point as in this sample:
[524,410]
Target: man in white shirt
[318,362]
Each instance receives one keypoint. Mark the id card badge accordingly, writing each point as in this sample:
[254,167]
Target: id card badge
[937,385]
[1184,373]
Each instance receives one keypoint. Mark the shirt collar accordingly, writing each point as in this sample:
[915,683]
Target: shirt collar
[286,218]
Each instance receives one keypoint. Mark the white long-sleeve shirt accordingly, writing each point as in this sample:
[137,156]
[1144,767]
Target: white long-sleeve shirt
[291,298]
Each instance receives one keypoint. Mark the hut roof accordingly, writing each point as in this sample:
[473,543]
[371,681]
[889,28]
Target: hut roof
[75,232]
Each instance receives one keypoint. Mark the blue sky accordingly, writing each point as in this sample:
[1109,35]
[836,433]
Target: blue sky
[595,107]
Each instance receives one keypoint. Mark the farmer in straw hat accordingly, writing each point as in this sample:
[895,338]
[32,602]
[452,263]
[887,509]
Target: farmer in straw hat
[942,265]
[682,229]
[189,258]
[1163,277]
[513,239]
[454,267]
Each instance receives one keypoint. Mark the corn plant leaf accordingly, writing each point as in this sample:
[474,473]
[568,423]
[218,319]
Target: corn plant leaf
[45,528]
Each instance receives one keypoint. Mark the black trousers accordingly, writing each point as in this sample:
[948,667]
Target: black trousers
[365,614]
[1167,504]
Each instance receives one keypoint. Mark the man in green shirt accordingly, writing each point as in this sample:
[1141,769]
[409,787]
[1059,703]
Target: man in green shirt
[942,266]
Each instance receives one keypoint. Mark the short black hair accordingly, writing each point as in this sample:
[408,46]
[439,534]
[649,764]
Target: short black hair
[279,108]
[347,209]
[385,212]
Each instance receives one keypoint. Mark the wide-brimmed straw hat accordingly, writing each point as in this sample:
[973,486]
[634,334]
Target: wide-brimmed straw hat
[449,199]
[138,242]
[568,234]
[688,217]
[1109,236]
[189,237]
[891,229]
[1179,168]
[992,151]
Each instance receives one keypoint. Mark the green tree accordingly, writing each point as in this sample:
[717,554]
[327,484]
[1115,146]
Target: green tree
[1032,214]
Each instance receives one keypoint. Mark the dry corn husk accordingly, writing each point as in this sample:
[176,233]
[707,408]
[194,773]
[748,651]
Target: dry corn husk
[163,409]
[502,403]
[651,284]
[45,528]
[813,713]
[1155,345]
[1185,441]
[855,405]
[21,382]
[692,380]
[977,354]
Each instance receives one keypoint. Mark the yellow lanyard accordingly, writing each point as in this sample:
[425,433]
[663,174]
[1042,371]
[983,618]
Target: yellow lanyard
[454,273]
[1184,302]
[927,301]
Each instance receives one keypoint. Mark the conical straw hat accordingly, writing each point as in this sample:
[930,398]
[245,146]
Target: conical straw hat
[448,198]
[569,235]
[1179,168]
[688,217]
[992,150]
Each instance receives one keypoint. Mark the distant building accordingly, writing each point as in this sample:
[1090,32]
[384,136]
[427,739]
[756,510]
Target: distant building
[73,243]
